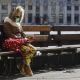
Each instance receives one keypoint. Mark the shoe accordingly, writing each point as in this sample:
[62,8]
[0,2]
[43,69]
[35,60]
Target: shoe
[19,65]
[29,71]
[23,70]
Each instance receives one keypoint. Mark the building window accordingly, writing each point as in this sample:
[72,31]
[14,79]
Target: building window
[69,18]
[37,1]
[76,0]
[29,18]
[30,1]
[4,1]
[45,1]
[61,18]
[45,17]
[3,16]
[53,2]
[24,20]
[76,3]
[60,1]
[22,1]
[68,7]
[29,7]
[4,7]
[37,8]
[37,19]
[23,6]
[13,1]
[53,7]
[53,18]
[76,18]
[60,8]
[45,7]
[76,7]
[13,6]
[68,1]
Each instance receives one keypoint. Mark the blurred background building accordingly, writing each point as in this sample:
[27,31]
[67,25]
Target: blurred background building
[56,12]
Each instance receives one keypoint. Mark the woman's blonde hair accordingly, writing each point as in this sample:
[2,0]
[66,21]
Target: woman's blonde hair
[18,10]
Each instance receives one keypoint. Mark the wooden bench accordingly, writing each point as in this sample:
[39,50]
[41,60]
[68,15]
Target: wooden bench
[40,39]
[45,39]
[69,37]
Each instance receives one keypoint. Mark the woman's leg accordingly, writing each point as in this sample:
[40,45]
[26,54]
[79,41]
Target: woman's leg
[27,58]
[25,50]
[33,51]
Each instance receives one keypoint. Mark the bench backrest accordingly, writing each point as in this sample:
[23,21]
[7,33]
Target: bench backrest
[46,39]
[66,38]
[40,38]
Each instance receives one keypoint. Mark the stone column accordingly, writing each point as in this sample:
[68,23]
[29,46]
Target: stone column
[33,13]
[18,2]
[9,7]
[49,13]
[0,12]
[41,10]
[65,14]
[72,15]
[26,13]
[57,13]
[79,12]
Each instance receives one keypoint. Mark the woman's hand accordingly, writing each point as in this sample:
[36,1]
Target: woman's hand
[27,42]
[25,39]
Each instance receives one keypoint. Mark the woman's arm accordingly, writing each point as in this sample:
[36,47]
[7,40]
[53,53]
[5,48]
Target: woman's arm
[23,34]
[8,32]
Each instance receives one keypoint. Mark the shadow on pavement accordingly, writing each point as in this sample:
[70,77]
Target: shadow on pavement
[19,75]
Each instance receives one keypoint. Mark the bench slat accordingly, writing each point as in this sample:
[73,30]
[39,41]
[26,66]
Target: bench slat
[41,38]
[36,28]
[65,42]
[43,49]
[33,28]
[66,37]
[66,28]
[55,48]
[7,52]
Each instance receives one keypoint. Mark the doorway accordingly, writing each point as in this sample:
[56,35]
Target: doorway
[37,20]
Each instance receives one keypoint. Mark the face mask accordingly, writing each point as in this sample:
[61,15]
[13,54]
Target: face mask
[17,18]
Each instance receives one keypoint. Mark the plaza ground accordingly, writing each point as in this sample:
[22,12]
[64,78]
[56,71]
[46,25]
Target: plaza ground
[72,73]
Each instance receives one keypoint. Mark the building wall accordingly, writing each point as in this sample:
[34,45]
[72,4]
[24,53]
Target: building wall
[58,12]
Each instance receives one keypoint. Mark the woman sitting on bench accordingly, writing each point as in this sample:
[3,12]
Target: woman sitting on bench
[13,29]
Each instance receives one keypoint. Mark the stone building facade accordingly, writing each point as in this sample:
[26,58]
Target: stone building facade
[57,12]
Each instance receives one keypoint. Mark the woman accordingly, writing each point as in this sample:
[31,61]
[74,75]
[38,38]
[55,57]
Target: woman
[13,29]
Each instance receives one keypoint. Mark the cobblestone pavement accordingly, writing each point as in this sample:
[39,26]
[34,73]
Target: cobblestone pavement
[68,74]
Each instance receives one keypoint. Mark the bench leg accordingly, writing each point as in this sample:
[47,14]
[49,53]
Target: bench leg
[73,58]
[21,63]
[5,66]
